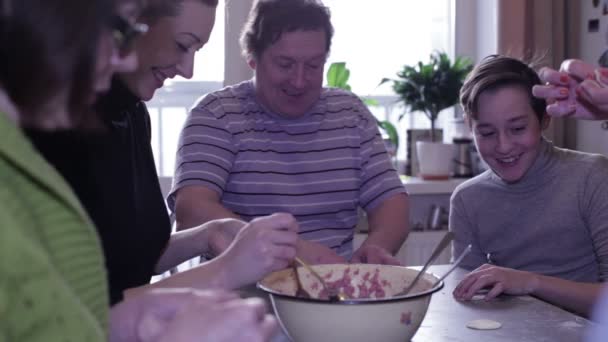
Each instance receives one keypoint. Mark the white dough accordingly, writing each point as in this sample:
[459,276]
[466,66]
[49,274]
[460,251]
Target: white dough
[484,324]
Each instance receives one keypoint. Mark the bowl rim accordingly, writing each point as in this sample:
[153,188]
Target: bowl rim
[367,301]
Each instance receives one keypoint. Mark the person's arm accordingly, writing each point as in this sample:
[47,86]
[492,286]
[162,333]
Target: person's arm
[594,204]
[574,296]
[388,229]
[196,205]
[212,238]
[381,194]
[184,315]
[264,245]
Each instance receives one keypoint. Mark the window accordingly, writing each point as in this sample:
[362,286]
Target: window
[377,41]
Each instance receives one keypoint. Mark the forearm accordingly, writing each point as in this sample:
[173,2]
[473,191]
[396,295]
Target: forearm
[574,296]
[204,212]
[389,224]
[190,243]
[211,275]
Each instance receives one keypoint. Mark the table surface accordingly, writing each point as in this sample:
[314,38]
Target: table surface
[523,318]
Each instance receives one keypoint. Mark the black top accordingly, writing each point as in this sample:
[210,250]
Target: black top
[114,176]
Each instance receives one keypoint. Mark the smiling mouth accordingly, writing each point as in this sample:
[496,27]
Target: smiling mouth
[294,94]
[508,160]
[159,77]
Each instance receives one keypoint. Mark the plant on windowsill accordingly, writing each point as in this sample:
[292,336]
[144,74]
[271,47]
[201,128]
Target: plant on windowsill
[337,77]
[431,87]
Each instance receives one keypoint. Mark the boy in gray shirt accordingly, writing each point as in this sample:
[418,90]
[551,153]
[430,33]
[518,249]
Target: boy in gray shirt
[538,218]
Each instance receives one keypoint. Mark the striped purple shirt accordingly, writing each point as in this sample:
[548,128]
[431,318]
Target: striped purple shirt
[319,167]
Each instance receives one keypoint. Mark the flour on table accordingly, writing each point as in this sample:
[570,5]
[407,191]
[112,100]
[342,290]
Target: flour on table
[484,324]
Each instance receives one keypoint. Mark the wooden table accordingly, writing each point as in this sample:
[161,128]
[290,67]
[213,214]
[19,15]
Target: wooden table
[523,318]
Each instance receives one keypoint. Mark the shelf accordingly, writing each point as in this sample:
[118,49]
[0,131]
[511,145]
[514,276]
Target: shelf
[418,186]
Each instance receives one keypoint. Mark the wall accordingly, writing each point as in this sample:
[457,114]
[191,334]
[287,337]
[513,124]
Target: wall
[590,135]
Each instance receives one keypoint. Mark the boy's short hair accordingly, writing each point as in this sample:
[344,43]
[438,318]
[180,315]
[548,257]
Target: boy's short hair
[496,71]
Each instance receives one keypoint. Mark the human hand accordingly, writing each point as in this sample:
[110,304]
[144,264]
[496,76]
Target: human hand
[216,323]
[578,90]
[372,254]
[264,245]
[145,316]
[222,233]
[500,279]
[315,253]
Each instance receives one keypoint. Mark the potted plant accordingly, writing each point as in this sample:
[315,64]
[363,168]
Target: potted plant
[337,77]
[430,88]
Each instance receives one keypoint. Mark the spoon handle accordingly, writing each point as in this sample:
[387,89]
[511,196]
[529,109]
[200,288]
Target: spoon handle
[311,271]
[455,264]
[445,241]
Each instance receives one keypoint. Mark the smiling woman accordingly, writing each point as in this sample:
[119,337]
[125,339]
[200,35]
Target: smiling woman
[177,31]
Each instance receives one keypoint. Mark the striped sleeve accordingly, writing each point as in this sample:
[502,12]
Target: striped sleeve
[206,150]
[379,178]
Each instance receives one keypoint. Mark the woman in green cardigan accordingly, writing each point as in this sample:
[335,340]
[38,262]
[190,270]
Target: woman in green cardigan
[53,283]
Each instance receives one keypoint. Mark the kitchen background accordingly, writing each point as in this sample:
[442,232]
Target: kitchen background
[376,42]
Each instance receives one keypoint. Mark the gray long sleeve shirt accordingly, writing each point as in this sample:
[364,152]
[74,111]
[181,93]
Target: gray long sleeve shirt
[554,221]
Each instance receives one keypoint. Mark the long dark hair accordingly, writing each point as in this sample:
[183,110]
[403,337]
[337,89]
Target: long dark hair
[46,46]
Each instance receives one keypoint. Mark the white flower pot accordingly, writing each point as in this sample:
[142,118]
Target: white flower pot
[434,159]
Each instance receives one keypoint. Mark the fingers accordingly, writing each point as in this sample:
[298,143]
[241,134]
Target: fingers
[561,109]
[495,291]
[550,92]
[465,284]
[553,77]
[592,92]
[374,255]
[269,327]
[479,281]
[577,69]
[278,221]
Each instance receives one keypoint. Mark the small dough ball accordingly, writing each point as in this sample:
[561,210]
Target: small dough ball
[484,324]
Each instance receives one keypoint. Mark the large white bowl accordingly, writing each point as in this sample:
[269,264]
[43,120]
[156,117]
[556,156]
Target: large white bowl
[374,319]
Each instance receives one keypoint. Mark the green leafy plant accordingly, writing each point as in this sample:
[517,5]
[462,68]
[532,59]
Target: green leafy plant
[337,76]
[431,87]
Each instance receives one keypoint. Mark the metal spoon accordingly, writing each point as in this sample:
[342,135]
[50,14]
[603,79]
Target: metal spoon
[449,236]
[464,253]
[334,294]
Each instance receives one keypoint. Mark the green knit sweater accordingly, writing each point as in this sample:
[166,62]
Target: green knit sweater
[52,277]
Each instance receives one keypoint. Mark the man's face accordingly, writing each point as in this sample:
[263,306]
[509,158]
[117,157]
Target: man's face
[289,73]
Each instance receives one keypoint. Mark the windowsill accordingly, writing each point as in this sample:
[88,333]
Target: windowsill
[419,186]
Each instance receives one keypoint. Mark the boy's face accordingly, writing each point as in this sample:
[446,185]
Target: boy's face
[507,131]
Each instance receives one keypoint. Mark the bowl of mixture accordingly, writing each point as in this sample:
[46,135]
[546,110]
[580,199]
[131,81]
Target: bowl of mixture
[372,311]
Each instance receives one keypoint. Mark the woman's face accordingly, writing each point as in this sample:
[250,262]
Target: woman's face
[169,47]
[110,58]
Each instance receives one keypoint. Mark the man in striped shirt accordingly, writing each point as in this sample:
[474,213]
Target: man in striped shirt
[283,143]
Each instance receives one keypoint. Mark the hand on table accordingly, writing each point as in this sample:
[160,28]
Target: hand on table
[315,253]
[264,245]
[145,316]
[578,90]
[234,320]
[372,254]
[498,279]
